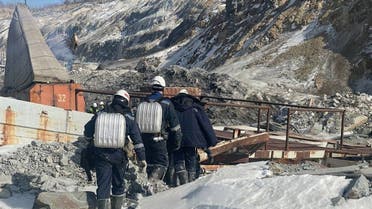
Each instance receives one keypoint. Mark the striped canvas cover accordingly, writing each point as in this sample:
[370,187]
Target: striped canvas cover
[109,130]
[149,117]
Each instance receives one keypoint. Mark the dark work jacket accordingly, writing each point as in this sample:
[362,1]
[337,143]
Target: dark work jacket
[132,130]
[197,130]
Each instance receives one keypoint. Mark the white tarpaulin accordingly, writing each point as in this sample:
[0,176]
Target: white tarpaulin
[29,59]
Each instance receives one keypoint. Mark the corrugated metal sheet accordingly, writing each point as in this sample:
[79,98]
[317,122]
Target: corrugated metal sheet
[29,58]
[23,121]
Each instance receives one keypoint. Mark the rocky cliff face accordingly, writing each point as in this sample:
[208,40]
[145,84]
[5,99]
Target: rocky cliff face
[122,29]
[306,46]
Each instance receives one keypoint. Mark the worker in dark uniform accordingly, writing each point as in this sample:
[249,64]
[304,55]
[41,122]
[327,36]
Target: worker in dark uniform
[197,132]
[156,143]
[110,163]
[93,108]
[101,106]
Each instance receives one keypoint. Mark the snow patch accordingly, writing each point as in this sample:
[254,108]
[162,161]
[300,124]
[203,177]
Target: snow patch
[251,186]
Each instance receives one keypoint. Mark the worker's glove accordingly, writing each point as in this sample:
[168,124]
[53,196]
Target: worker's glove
[209,155]
[88,139]
[174,141]
[142,166]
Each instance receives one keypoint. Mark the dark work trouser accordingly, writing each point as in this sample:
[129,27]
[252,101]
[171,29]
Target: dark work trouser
[170,177]
[156,156]
[110,169]
[186,157]
[156,151]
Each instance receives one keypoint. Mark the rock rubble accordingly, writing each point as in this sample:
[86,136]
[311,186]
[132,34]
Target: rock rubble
[54,167]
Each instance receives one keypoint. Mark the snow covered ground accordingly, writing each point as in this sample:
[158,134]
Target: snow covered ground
[18,201]
[250,185]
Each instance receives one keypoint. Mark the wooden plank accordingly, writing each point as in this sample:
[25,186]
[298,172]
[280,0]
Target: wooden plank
[334,162]
[212,167]
[225,146]
[334,171]
[279,154]
[223,135]
[356,151]
[239,142]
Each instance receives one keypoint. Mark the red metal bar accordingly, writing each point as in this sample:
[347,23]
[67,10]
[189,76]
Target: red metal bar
[317,109]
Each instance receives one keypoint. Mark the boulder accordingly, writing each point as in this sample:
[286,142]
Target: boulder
[358,188]
[5,193]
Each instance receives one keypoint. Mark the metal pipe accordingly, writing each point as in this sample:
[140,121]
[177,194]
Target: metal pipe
[136,94]
[258,102]
[236,105]
[267,120]
[287,131]
[317,109]
[76,100]
[342,128]
[258,120]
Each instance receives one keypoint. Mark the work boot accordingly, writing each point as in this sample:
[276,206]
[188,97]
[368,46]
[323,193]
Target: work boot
[103,204]
[182,176]
[191,175]
[158,173]
[171,178]
[117,201]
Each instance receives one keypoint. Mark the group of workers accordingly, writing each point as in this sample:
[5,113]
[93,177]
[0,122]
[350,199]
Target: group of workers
[94,108]
[165,132]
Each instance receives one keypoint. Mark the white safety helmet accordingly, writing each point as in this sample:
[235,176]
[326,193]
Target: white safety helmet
[158,80]
[184,91]
[123,94]
[95,104]
[101,103]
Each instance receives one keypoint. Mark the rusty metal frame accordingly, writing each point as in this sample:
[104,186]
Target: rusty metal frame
[267,108]
[290,110]
[259,105]
[139,94]
[133,94]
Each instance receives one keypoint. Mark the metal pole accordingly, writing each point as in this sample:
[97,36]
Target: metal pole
[258,120]
[268,103]
[342,127]
[287,131]
[76,100]
[267,120]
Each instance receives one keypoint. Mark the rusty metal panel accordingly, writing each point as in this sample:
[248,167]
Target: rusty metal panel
[79,100]
[62,96]
[173,91]
[46,95]
[20,121]
[277,154]
[58,95]
[264,154]
[317,154]
[303,155]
